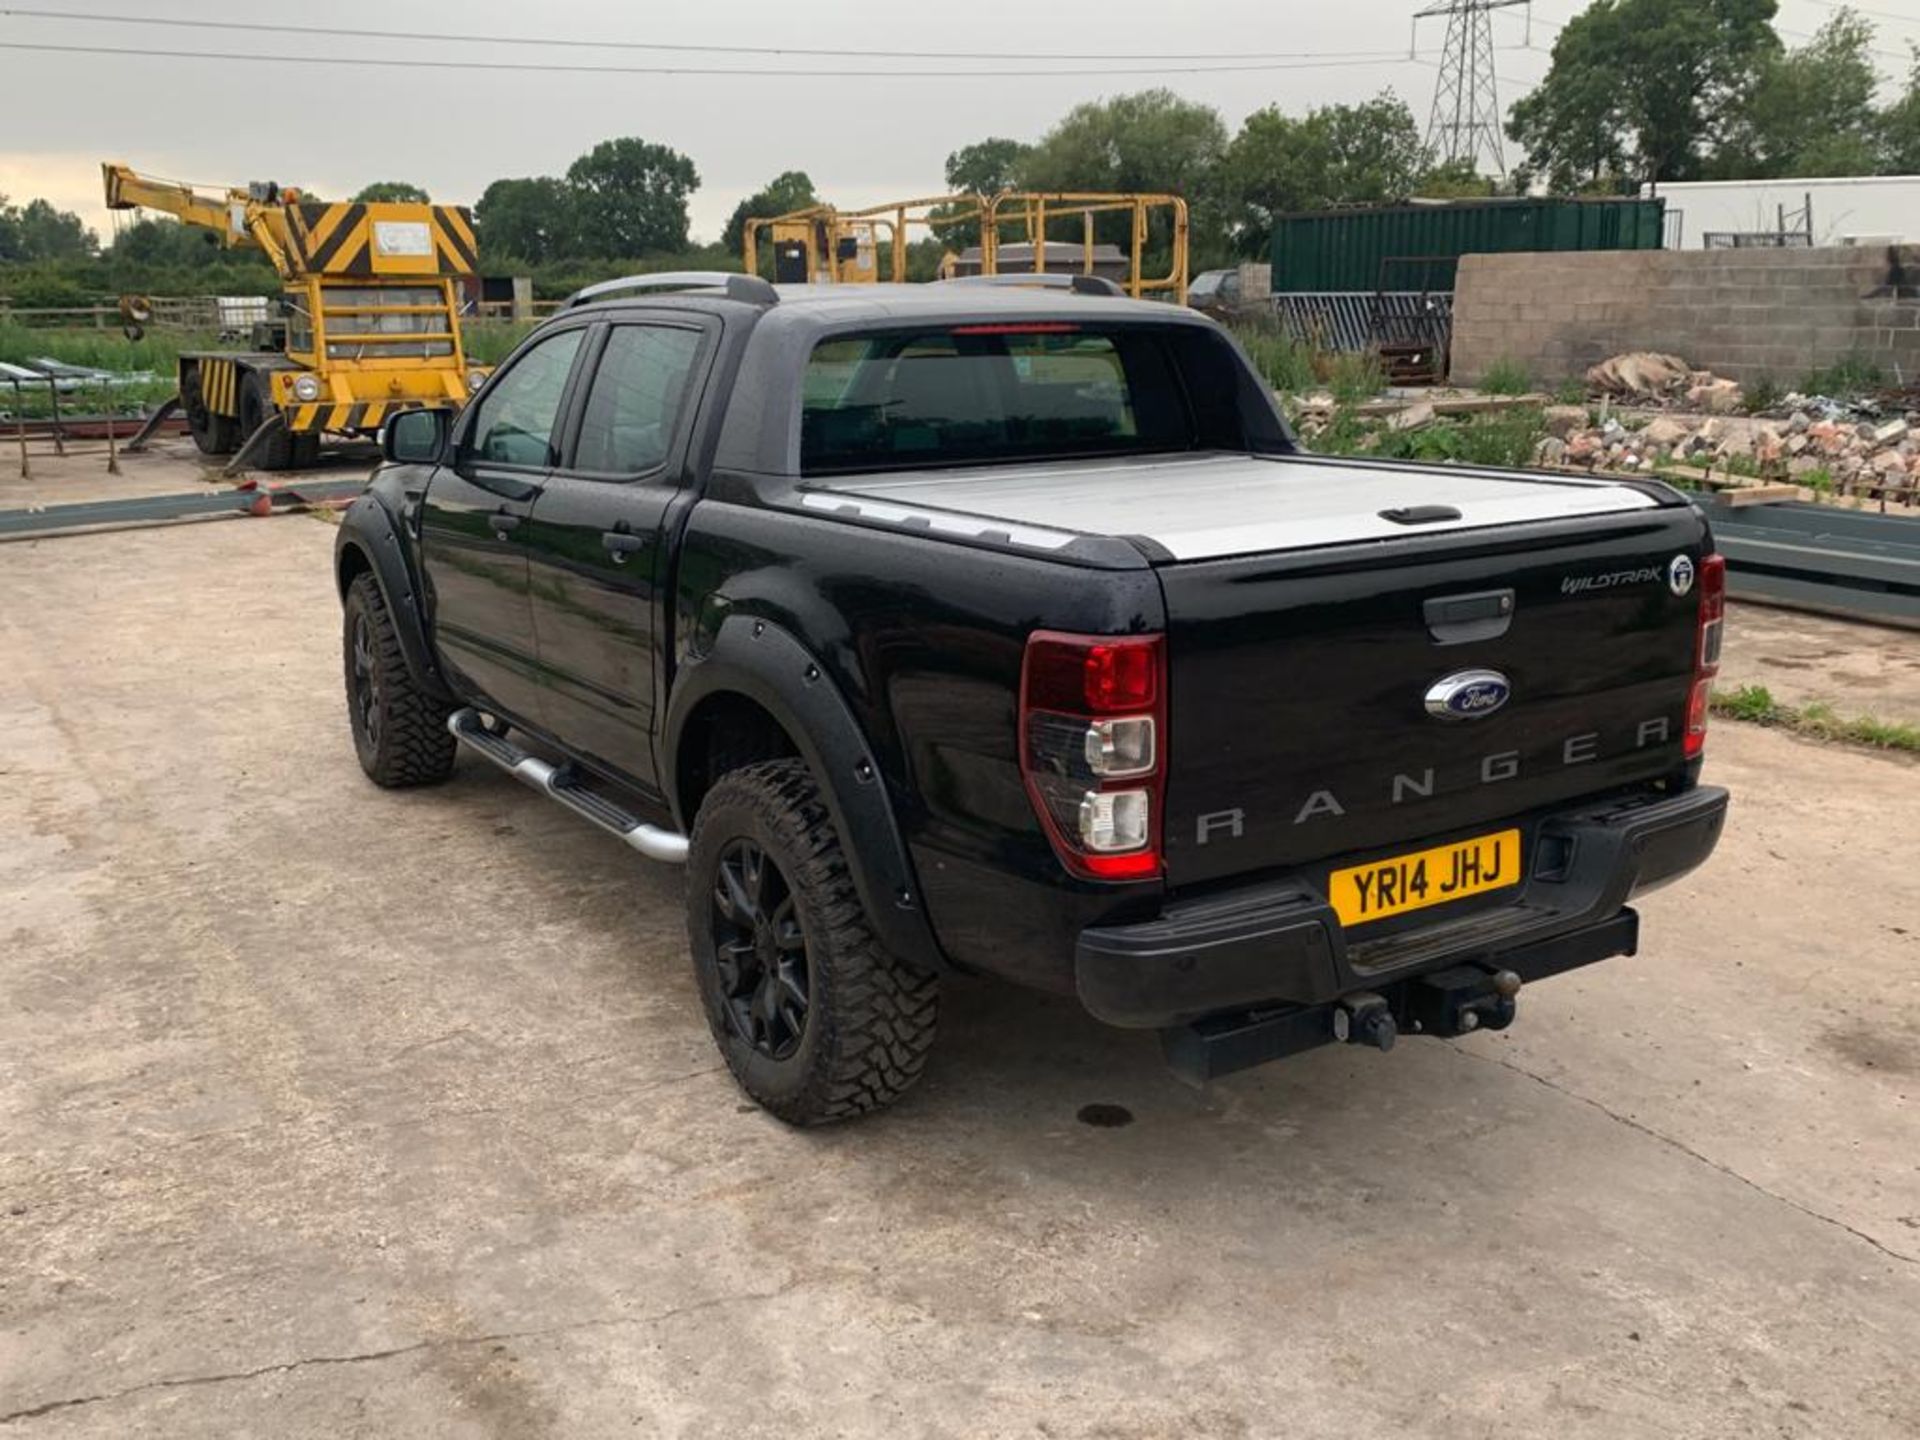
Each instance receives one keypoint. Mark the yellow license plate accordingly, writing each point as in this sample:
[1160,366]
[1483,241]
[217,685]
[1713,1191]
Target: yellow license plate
[1382,888]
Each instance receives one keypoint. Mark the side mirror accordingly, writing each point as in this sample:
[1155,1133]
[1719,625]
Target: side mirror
[416,437]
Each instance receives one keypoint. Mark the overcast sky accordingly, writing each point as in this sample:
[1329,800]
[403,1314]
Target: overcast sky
[333,128]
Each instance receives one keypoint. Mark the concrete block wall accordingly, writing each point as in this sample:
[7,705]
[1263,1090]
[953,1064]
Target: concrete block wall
[1745,314]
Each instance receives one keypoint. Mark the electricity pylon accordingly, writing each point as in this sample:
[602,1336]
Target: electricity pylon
[1465,124]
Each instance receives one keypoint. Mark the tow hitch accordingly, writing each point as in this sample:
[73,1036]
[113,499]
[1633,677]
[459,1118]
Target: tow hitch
[1455,1001]
[1463,999]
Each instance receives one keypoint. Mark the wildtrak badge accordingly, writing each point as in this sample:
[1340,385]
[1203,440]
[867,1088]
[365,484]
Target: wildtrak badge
[1612,580]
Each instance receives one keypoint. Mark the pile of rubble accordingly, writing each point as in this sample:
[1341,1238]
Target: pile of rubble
[1871,456]
[1647,378]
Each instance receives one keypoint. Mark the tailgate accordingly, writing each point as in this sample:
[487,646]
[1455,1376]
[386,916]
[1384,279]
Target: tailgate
[1300,727]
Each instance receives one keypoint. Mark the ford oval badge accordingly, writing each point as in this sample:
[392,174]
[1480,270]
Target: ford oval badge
[1467,695]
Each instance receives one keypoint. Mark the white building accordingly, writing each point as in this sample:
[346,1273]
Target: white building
[1846,210]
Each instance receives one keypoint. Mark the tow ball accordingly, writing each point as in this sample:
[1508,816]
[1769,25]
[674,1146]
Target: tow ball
[1461,1000]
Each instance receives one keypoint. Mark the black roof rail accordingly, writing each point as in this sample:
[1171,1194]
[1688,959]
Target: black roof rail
[748,288]
[1078,282]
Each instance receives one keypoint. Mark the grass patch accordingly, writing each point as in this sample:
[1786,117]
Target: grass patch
[488,342]
[1756,705]
[34,403]
[1506,377]
[101,349]
[1571,392]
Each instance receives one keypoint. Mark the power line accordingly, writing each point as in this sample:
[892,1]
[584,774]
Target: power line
[1393,57]
[1865,10]
[439,38]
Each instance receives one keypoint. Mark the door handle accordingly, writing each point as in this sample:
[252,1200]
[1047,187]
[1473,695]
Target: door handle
[504,523]
[619,544]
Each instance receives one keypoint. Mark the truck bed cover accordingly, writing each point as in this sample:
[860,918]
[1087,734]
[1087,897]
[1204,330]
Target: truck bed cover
[1200,507]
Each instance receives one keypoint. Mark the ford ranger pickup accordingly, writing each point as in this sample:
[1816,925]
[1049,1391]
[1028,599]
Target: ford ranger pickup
[986,629]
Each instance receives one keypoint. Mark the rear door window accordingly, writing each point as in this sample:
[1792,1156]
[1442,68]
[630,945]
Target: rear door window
[636,400]
[980,393]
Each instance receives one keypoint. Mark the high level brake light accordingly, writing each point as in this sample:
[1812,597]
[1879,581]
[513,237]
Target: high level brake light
[1706,649]
[1093,721]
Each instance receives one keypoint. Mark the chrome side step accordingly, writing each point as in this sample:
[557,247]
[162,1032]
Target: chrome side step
[559,783]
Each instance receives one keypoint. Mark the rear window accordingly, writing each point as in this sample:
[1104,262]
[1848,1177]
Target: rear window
[974,394]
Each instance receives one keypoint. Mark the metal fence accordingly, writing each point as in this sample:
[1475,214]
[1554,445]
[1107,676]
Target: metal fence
[1358,320]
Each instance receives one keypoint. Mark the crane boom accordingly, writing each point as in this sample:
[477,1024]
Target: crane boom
[255,216]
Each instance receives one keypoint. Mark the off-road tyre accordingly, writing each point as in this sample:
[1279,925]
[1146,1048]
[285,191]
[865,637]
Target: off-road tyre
[399,731]
[869,1017]
[276,450]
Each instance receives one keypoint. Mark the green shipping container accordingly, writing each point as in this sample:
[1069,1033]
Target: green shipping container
[1418,247]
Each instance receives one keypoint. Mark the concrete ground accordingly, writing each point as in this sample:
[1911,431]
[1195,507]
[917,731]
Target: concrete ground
[1801,659]
[332,1112]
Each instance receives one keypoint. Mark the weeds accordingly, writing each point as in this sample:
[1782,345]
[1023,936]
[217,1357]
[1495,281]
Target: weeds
[1504,439]
[1763,394]
[1844,378]
[1755,704]
[1571,392]
[1284,361]
[1354,377]
[1506,377]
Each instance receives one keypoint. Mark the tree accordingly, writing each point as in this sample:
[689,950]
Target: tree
[1460,180]
[1897,129]
[1643,89]
[1149,141]
[1369,153]
[789,190]
[37,231]
[391,190]
[987,167]
[1810,111]
[630,197]
[153,242]
[531,220]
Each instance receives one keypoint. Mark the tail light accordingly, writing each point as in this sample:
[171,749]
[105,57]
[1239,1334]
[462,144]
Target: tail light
[1093,749]
[1706,649]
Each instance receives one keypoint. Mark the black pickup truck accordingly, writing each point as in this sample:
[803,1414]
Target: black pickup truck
[1005,630]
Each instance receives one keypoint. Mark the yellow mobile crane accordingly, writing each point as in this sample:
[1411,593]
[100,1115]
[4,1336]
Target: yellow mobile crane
[368,322]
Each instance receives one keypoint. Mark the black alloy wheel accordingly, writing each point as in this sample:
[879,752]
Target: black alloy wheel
[366,685]
[760,951]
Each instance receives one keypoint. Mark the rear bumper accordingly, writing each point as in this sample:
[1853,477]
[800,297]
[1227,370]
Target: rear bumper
[1280,944]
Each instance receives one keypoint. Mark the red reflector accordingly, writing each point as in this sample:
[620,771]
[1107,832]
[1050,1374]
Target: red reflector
[1141,865]
[1699,706]
[1034,327]
[1706,650]
[1101,677]
[1713,587]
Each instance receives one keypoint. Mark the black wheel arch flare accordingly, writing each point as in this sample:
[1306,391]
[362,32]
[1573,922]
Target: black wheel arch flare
[756,658]
[370,539]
